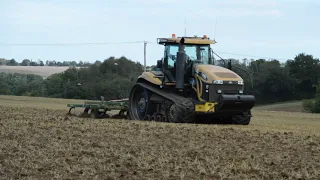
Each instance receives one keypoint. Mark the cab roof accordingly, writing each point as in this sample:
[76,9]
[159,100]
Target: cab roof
[187,40]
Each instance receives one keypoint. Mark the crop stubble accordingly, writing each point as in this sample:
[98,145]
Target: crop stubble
[42,143]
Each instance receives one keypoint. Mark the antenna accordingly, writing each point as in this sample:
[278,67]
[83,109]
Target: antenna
[185,27]
[215,30]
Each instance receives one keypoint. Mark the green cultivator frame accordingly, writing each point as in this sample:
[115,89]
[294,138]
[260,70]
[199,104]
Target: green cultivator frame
[98,109]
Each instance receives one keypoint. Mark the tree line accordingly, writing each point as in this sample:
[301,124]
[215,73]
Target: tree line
[28,62]
[111,78]
[273,81]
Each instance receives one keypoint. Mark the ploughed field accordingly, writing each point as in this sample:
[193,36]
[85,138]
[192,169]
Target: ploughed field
[38,141]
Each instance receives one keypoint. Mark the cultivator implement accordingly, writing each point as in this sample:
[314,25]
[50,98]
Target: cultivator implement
[99,109]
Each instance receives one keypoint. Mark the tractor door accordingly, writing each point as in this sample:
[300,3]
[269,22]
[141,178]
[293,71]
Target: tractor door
[169,61]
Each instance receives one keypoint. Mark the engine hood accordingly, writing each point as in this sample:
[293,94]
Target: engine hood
[213,72]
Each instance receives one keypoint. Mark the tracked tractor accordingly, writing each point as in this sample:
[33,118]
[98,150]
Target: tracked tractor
[187,86]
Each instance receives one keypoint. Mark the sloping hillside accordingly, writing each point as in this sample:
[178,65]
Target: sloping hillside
[43,71]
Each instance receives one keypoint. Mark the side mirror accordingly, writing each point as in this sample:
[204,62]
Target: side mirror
[229,65]
[159,64]
[211,59]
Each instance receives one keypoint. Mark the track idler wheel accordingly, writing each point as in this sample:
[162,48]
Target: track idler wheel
[139,103]
[181,113]
[148,117]
[171,113]
[158,118]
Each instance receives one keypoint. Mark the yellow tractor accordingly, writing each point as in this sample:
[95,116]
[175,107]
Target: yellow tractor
[188,87]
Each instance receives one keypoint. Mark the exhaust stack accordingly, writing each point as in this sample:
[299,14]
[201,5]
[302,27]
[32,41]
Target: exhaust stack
[180,66]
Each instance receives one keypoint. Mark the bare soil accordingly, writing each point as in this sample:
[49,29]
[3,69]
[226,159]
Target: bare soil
[40,142]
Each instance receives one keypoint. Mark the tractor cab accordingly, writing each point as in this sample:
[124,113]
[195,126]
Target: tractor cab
[196,49]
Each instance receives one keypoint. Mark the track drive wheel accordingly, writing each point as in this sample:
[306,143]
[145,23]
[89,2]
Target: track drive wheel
[139,103]
[243,119]
[240,119]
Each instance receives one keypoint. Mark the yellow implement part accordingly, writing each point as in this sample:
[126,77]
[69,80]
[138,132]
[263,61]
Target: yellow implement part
[207,107]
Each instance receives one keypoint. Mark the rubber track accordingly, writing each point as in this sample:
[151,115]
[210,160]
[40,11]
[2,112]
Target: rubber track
[185,106]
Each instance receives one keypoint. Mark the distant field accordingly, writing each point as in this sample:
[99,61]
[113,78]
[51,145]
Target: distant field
[43,71]
[285,106]
[38,141]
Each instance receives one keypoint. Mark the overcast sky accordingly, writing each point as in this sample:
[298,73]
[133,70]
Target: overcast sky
[266,28]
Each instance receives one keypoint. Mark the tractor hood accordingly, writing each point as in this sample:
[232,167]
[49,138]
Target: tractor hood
[212,72]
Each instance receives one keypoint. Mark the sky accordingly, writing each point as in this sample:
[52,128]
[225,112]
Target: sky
[242,28]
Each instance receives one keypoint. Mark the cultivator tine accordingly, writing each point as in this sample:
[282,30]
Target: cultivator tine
[120,115]
[69,113]
[85,113]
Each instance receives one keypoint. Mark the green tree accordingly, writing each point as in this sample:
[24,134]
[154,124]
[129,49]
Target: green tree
[54,86]
[12,62]
[317,100]
[306,70]
[32,63]
[3,61]
[20,84]
[313,105]
[25,62]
